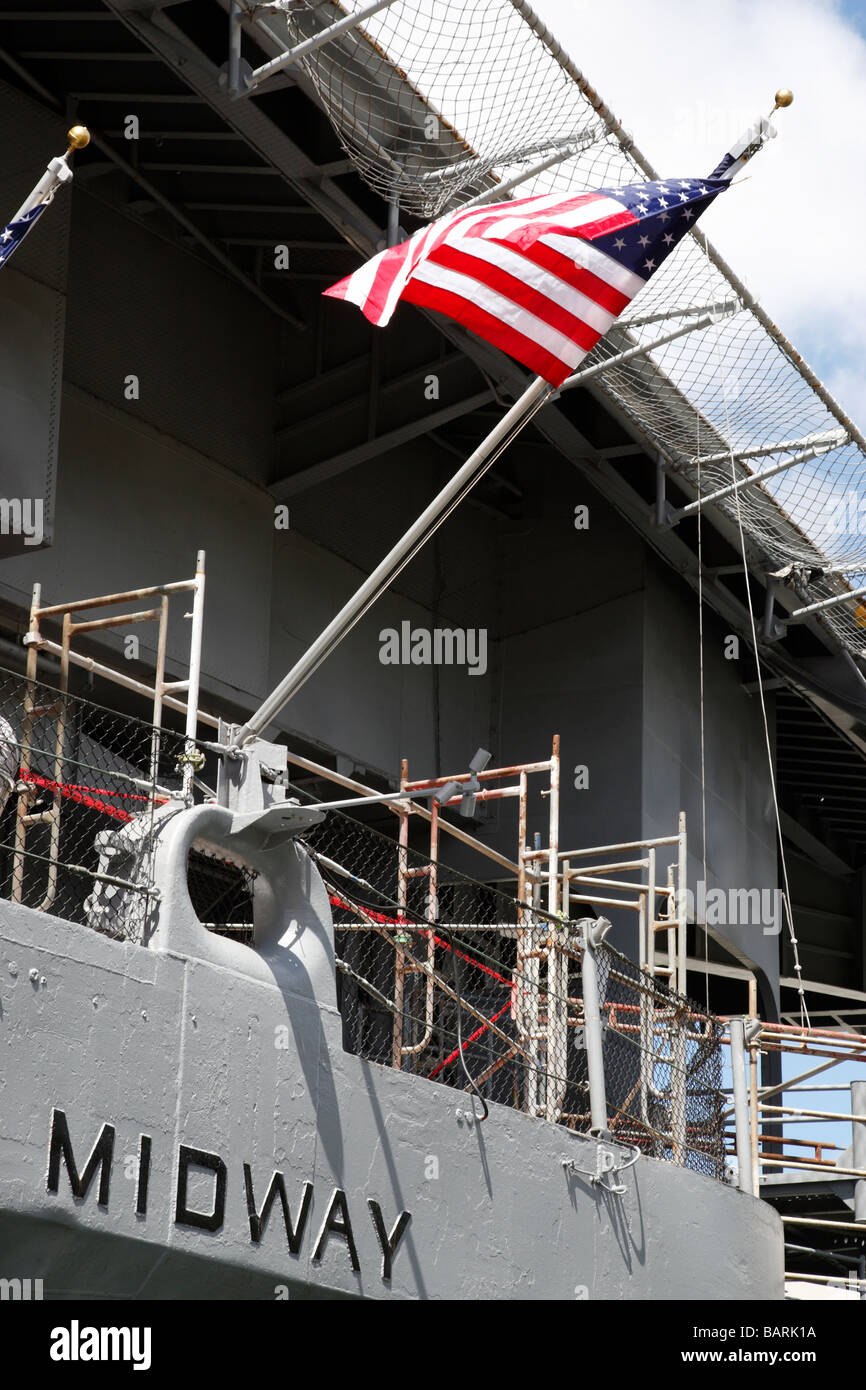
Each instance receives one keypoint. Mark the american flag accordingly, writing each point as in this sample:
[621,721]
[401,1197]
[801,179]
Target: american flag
[542,278]
[12,235]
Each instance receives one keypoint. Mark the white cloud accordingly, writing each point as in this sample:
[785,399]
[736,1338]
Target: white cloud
[686,77]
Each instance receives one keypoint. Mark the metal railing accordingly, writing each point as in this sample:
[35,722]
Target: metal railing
[54,709]
[474,1008]
[447,998]
[84,783]
[760,1143]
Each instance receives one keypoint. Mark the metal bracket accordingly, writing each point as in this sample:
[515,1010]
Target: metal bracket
[241,782]
[800,613]
[812,447]
[640,349]
[663,513]
[241,84]
[772,630]
[607,1165]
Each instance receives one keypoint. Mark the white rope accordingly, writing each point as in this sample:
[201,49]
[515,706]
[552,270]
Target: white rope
[804,1013]
[702,712]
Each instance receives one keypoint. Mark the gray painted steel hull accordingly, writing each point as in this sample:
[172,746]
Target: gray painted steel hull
[183,1050]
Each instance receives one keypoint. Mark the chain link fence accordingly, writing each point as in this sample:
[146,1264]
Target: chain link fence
[663,1057]
[439,975]
[487,996]
[79,787]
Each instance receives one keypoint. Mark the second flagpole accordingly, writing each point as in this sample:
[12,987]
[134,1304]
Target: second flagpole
[57,173]
[396,559]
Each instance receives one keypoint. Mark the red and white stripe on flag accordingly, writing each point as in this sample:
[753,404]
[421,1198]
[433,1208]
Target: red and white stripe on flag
[524,275]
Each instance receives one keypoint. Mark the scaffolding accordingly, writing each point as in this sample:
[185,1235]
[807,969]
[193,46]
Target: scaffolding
[763,1148]
[162,693]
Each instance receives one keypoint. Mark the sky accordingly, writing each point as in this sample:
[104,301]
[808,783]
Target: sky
[686,77]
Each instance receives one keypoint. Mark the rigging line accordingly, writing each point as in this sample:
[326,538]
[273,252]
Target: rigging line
[461,1046]
[702,716]
[804,1012]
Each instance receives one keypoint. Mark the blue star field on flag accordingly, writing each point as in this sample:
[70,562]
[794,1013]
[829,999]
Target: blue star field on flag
[665,210]
[12,235]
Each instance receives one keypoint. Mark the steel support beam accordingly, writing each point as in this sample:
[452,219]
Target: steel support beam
[302,50]
[362,453]
[816,850]
[823,604]
[831,438]
[587,373]
[357,367]
[755,478]
[58,16]
[267,140]
[158,197]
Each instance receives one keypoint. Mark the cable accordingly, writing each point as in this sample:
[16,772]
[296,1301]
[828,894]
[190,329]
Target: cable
[455,976]
[804,1012]
[703,721]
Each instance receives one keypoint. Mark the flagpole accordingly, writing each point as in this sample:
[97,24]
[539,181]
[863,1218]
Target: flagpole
[396,559]
[57,173]
[442,505]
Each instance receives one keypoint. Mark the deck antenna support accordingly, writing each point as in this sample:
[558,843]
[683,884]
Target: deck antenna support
[242,79]
[395,561]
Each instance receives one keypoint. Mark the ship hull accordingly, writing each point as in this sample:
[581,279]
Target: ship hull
[178,1095]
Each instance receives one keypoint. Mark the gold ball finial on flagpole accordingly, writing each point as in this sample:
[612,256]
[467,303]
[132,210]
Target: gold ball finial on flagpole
[78,137]
[783,97]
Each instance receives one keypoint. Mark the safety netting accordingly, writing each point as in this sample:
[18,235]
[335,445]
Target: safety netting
[437,102]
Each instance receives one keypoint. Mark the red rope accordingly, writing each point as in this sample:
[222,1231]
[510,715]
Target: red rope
[402,922]
[83,796]
[477,963]
[368,912]
[473,1038]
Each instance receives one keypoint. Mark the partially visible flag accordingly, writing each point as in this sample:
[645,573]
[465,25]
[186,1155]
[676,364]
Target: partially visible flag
[12,236]
[543,278]
[57,173]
